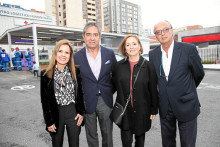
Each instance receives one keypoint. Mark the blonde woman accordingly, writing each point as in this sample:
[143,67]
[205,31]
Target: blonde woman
[62,97]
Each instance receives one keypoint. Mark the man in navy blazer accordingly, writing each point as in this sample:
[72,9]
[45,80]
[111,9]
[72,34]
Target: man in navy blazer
[179,71]
[96,64]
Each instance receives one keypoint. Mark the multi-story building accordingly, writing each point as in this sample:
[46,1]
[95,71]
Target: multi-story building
[75,13]
[122,17]
[146,32]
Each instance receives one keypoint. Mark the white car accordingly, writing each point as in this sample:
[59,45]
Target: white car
[146,56]
[118,57]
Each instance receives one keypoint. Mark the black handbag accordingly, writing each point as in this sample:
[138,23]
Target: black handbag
[117,113]
[118,110]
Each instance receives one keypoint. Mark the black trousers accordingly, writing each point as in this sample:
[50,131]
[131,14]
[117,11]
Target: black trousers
[187,131]
[67,120]
[127,139]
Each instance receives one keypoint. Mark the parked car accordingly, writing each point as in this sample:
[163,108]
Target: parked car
[146,56]
[118,57]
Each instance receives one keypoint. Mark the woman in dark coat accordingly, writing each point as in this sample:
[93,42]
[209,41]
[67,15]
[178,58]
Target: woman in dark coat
[62,96]
[143,106]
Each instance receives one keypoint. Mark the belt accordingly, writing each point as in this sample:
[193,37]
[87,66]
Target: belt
[99,94]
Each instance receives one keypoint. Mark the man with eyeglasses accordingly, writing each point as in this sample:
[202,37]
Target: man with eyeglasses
[179,71]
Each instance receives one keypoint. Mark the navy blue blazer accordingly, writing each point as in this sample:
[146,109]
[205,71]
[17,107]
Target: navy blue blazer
[92,86]
[186,73]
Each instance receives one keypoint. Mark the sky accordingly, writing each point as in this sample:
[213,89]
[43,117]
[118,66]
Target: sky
[179,13]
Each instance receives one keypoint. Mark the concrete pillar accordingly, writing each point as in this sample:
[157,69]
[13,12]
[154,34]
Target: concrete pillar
[9,46]
[36,55]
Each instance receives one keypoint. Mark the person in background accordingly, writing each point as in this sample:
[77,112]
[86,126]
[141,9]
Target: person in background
[13,58]
[18,59]
[28,55]
[1,59]
[5,61]
[96,64]
[179,71]
[62,96]
[143,105]
[35,69]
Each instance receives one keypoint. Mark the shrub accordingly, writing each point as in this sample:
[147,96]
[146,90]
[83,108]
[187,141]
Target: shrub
[208,62]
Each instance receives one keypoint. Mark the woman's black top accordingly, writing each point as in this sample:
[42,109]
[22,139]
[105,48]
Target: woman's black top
[49,102]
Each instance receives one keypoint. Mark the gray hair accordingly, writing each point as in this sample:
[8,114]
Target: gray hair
[169,23]
[166,22]
[90,25]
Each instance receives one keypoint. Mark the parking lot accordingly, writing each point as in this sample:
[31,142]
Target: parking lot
[21,123]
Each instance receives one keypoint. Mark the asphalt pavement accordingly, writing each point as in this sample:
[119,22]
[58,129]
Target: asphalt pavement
[22,125]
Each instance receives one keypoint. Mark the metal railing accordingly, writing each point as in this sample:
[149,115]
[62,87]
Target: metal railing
[210,54]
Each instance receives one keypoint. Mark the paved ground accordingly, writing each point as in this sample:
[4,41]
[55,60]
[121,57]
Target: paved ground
[21,123]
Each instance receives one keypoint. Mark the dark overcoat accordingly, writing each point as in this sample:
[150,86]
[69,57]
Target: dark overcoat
[48,100]
[145,94]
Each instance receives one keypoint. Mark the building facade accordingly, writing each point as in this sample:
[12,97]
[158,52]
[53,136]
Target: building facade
[12,16]
[207,41]
[75,13]
[122,17]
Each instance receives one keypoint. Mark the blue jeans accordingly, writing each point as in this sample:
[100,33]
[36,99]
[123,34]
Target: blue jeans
[13,63]
[36,72]
[5,66]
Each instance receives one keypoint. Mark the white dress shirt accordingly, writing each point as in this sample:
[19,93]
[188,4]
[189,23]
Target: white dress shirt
[95,64]
[166,61]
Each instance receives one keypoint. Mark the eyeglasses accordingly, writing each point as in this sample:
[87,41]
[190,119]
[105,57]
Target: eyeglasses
[161,64]
[159,32]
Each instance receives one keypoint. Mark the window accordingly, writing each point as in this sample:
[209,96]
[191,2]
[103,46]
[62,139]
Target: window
[129,15]
[129,7]
[129,11]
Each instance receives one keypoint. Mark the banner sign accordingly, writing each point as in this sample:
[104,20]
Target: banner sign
[24,14]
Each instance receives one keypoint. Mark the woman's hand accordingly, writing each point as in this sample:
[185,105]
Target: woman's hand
[80,119]
[52,128]
[152,117]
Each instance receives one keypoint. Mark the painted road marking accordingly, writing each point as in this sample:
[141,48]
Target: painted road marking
[23,87]
[208,85]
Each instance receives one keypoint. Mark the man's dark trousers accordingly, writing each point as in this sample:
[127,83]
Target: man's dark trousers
[187,131]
